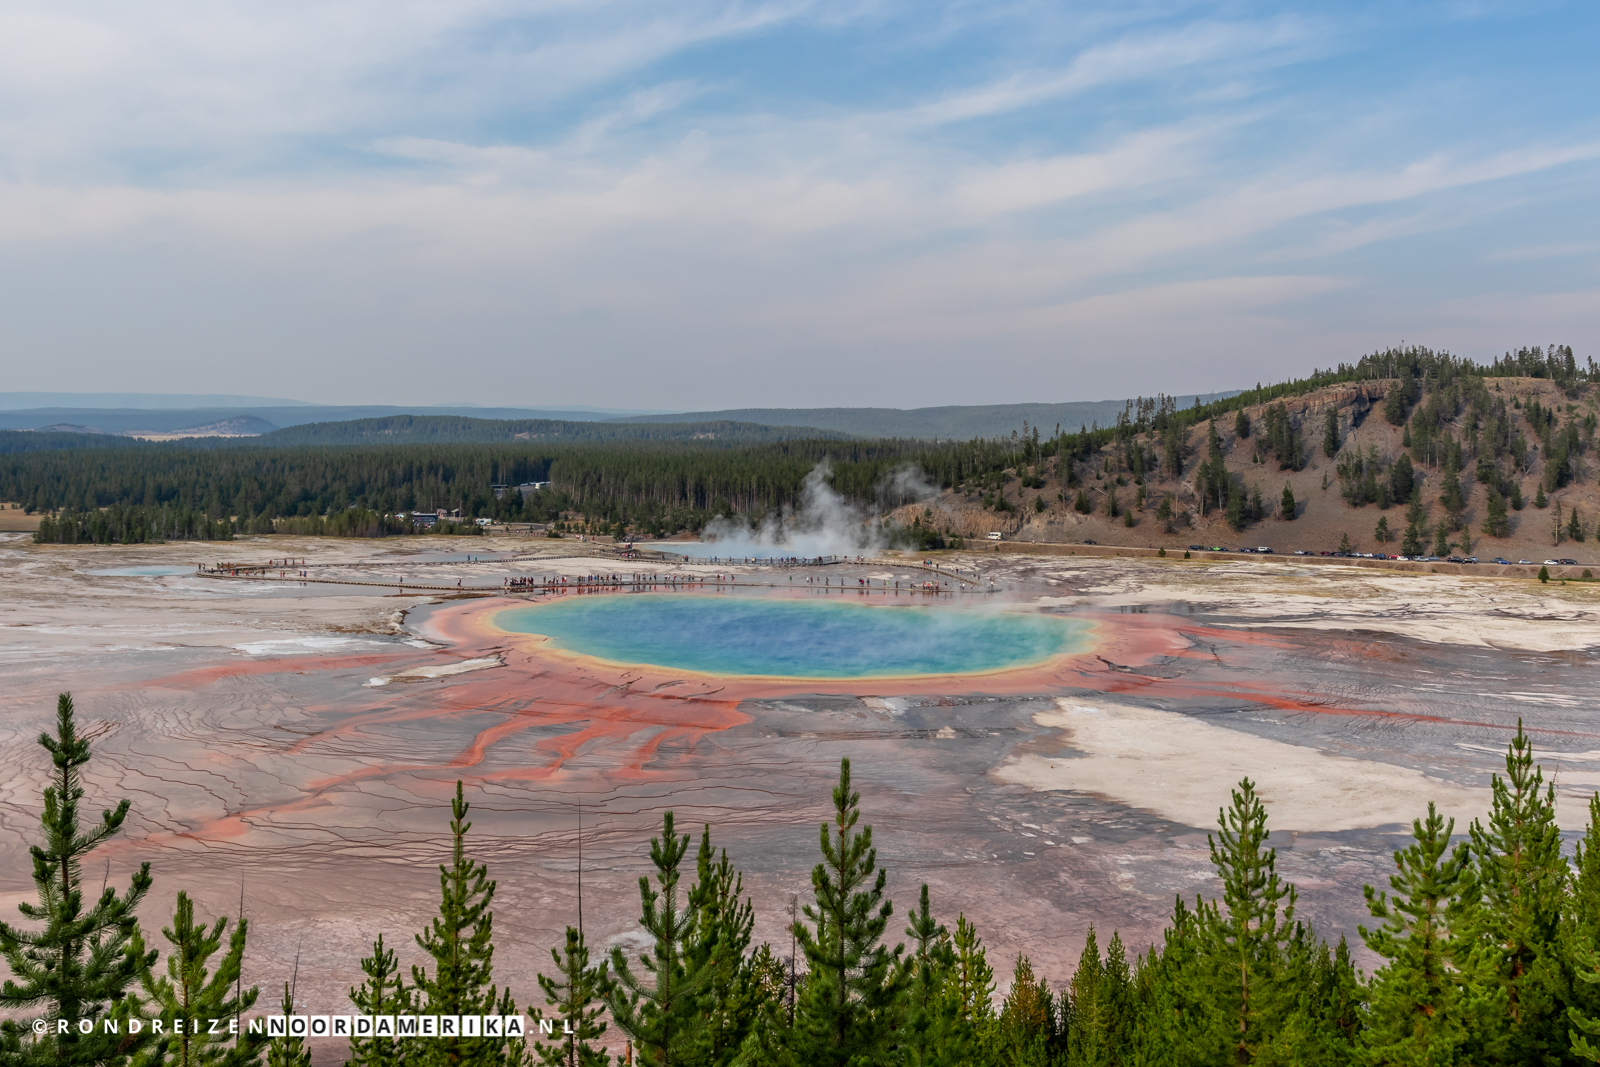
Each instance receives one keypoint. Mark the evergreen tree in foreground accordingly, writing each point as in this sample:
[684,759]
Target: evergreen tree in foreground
[288,1051]
[383,993]
[1025,1035]
[84,960]
[576,996]
[1421,1007]
[1257,923]
[719,945]
[1580,937]
[852,1002]
[1100,1002]
[971,977]
[460,943]
[662,1015]
[1521,883]
[934,1032]
[189,991]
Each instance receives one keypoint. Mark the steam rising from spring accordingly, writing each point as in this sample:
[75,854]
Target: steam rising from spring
[824,523]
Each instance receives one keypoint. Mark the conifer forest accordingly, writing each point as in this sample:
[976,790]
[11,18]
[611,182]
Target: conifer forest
[1485,937]
[1459,429]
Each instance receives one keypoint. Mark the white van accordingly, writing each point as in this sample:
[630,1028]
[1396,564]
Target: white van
[993,535]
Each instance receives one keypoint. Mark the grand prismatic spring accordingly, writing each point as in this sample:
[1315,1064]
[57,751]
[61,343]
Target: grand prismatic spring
[765,636]
[1044,740]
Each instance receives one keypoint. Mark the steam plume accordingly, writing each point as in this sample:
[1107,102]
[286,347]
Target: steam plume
[824,523]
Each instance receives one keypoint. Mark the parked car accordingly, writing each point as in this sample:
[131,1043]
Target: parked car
[1301,552]
[1569,563]
[1197,548]
[1264,551]
[1552,563]
[1525,561]
[1472,559]
[1091,542]
[1497,559]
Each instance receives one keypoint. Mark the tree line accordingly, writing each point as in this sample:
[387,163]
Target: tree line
[1488,946]
[665,486]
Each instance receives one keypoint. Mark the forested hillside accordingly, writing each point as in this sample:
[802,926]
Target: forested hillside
[1443,456]
[1383,452]
[455,429]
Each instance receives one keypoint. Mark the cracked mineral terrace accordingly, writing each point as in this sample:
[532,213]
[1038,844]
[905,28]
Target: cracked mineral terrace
[301,740]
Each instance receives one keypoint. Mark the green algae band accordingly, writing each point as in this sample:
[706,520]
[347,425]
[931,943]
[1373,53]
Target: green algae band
[753,636]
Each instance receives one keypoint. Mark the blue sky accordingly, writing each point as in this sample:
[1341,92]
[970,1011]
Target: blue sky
[711,204]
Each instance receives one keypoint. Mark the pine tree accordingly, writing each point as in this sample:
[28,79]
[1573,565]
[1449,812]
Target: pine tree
[933,1033]
[1574,527]
[724,921]
[1381,533]
[1580,938]
[1117,997]
[1520,885]
[1402,478]
[1422,1007]
[1184,1014]
[189,992]
[855,983]
[1330,433]
[662,1015]
[1241,425]
[1412,544]
[288,1051]
[1089,1040]
[383,993]
[1286,503]
[972,977]
[84,960]
[1441,539]
[460,942]
[1026,1028]
[1539,499]
[1496,523]
[1256,920]
[576,993]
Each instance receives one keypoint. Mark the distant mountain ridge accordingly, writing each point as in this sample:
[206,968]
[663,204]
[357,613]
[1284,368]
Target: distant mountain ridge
[953,421]
[177,420]
[960,422]
[455,429]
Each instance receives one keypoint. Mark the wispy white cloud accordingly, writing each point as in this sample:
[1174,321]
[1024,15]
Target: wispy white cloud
[1133,57]
[573,181]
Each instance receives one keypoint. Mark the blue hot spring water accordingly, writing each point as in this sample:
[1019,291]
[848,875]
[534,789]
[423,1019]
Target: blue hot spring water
[795,638]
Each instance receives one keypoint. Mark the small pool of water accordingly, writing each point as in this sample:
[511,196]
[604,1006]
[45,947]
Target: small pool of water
[140,572]
[770,636]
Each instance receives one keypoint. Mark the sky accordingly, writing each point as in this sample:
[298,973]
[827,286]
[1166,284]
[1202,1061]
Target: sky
[693,204]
